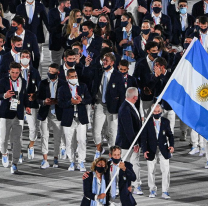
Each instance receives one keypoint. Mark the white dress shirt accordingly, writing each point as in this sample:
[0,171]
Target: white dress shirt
[150,63]
[27,6]
[22,35]
[14,56]
[157,19]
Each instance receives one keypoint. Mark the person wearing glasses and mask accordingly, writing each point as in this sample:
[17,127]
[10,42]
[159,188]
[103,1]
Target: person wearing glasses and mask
[50,111]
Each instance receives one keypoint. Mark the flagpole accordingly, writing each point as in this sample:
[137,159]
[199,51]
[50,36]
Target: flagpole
[153,108]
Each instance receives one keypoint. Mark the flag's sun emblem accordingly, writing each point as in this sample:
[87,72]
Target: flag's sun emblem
[202,93]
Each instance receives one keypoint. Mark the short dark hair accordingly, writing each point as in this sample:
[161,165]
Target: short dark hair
[2,37]
[104,51]
[114,148]
[15,39]
[18,19]
[157,0]
[88,24]
[25,52]
[62,1]
[150,45]
[159,27]
[69,52]
[111,56]
[77,43]
[161,61]
[54,65]
[69,71]
[124,63]
[15,65]
[108,42]
[203,19]
[87,4]
[182,1]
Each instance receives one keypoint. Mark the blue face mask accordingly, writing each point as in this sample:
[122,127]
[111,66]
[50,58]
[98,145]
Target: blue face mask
[107,68]
[100,169]
[124,23]
[183,10]
[85,33]
[18,49]
[13,28]
[157,116]
[185,45]
[102,24]
[116,161]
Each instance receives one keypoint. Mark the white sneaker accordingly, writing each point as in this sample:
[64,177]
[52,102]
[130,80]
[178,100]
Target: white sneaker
[82,167]
[20,158]
[152,194]
[206,165]
[14,169]
[55,163]
[5,160]
[194,150]
[62,154]
[201,152]
[97,154]
[30,153]
[165,195]
[71,167]
[44,164]
[138,191]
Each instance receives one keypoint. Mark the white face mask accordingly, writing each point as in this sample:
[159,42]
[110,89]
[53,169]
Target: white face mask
[25,61]
[73,81]
[30,1]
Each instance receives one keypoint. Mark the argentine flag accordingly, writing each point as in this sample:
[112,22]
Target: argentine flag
[187,88]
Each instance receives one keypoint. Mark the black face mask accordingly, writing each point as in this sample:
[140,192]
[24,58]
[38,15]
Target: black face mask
[18,49]
[67,10]
[71,64]
[196,27]
[145,31]
[13,28]
[116,161]
[124,23]
[157,116]
[107,68]
[185,45]
[124,73]
[87,17]
[154,55]
[203,30]
[157,9]
[79,20]
[100,169]
[102,24]
[52,76]
[85,33]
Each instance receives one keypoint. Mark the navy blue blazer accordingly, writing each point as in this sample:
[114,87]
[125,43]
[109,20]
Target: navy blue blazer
[143,74]
[198,9]
[137,48]
[119,36]
[4,67]
[131,82]
[176,60]
[95,45]
[36,25]
[87,187]
[55,29]
[6,24]
[125,179]
[30,43]
[150,142]
[64,101]
[121,3]
[165,21]
[129,125]
[5,111]
[5,4]
[115,92]
[34,80]
[43,93]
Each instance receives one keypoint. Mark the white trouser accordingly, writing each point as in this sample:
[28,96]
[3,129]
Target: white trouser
[33,124]
[165,169]
[63,141]
[170,115]
[57,133]
[206,148]
[11,128]
[77,130]
[133,158]
[131,68]
[40,46]
[56,56]
[146,107]
[102,114]
[197,139]
[89,112]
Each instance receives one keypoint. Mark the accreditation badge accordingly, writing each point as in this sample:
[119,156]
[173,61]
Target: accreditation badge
[14,103]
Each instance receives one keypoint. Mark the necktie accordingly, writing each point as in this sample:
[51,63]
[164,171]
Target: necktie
[183,23]
[113,186]
[105,82]
[30,13]
[102,3]
[53,96]
[17,58]
[25,74]
[62,16]
[15,85]
[84,51]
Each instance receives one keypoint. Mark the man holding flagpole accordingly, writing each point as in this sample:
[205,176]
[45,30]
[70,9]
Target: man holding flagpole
[156,145]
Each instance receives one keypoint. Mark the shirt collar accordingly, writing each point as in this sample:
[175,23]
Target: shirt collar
[12,53]
[130,103]
[23,68]
[148,59]
[92,37]
[73,85]
[203,33]
[22,34]
[54,81]
[30,4]
[183,15]
[124,29]
[60,11]
[160,15]
[110,71]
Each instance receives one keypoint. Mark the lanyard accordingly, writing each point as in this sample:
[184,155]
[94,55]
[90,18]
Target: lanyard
[129,4]
[71,90]
[126,79]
